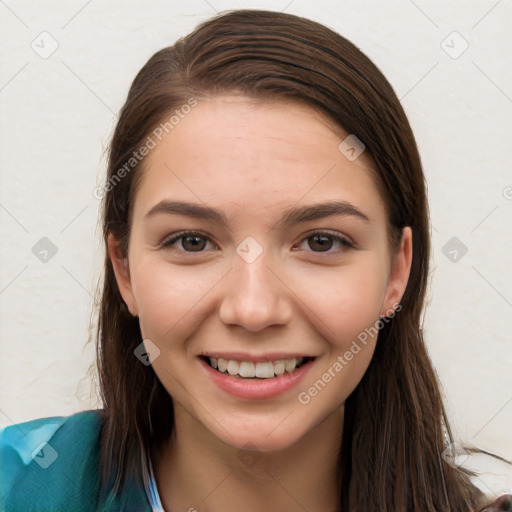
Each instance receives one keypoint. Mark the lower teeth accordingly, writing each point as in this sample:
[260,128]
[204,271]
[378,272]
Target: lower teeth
[250,378]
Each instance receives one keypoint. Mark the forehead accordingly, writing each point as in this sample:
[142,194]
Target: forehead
[232,150]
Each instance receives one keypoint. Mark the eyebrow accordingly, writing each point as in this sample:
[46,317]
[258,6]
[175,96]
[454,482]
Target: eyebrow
[291,216]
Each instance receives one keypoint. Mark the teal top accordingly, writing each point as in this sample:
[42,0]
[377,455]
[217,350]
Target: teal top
[51,465]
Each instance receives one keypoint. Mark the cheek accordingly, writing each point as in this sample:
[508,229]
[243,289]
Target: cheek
[167,297]
[361,304]
[347,313]
[348,318]
[342,302]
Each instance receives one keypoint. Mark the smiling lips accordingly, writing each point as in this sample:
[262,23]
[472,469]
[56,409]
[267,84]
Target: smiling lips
[264,377]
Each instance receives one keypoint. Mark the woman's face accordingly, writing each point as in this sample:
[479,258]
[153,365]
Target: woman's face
[253,284]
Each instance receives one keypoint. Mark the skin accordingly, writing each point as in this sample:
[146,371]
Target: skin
[253,160]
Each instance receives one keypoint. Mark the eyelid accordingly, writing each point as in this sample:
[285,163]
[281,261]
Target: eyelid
[333,234]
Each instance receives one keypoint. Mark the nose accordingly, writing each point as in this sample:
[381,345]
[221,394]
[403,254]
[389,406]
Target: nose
[255,296]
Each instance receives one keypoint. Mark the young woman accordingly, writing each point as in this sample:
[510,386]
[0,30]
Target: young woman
[259,338]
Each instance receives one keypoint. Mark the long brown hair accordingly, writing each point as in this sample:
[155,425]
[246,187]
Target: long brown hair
[393,439]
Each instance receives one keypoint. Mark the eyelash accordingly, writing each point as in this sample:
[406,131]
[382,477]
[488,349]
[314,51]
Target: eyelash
[184,234]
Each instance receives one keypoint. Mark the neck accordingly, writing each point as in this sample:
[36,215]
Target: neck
[196,471]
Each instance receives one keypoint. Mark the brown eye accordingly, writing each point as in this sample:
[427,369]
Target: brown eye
[322,241]
[193,243]
[190,242]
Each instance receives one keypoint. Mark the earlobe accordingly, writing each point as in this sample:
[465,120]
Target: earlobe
[399,274]
[122,273]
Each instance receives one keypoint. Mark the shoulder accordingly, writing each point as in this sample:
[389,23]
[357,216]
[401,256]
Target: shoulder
[502,504]
[52,464]
[49,463]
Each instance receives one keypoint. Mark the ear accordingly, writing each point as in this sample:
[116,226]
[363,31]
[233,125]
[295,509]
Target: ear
[399,274]
[122,273]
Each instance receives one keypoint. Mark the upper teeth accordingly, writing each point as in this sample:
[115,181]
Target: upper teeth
[263,370]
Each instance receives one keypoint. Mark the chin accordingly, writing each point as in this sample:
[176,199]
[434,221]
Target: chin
[262,436]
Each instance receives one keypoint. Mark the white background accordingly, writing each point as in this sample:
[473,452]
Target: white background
[56,117]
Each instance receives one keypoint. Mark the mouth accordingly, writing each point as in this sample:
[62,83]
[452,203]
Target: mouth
[248,370]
